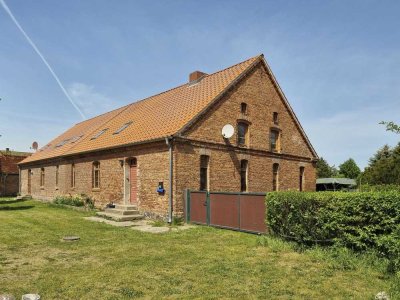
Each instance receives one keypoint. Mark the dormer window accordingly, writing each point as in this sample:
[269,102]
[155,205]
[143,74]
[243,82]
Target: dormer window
[243,108]
[275,118]
[123,127]
[99,134]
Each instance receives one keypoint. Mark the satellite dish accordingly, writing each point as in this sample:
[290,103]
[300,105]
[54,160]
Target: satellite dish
[228,131]
[35,146]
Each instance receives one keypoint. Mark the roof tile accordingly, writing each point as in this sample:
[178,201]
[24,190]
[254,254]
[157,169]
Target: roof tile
[155,117]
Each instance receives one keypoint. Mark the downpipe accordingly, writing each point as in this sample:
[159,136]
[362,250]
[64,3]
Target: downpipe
[168,140]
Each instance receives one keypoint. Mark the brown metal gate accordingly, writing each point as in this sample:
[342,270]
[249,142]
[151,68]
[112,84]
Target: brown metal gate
[238,211]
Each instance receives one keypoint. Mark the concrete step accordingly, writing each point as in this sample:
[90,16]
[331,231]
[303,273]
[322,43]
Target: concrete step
[125,206]
[119,218]
[121,211]
[24,197]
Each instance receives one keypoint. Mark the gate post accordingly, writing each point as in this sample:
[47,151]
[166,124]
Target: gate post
[208,207]
[187,205]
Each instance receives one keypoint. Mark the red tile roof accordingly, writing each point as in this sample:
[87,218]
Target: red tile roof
[152,118]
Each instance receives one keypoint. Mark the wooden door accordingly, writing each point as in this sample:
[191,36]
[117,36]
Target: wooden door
[133,181]
[29,182]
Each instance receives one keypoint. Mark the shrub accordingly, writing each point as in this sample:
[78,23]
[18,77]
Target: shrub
[380,188]
[359,221]
[77,200]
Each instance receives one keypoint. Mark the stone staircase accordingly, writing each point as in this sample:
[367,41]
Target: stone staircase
[121,213]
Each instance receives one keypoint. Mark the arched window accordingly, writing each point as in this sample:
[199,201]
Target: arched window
[243,108]
[244,166]
[73,176]
[96,175]
[243,134]
[275,177]
[301,179]
[57,171]
[204,171]
[274,140]
[42,178]
[275,118]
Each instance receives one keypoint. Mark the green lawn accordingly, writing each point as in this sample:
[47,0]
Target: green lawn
[121,263]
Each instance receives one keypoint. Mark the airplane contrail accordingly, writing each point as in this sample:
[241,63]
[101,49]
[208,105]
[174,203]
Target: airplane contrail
[8,11]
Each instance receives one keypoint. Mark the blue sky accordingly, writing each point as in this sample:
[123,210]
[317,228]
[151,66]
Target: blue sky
[338,62]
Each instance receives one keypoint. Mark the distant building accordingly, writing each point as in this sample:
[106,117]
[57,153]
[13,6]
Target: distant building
[336,184]
[9,172]
[147,153]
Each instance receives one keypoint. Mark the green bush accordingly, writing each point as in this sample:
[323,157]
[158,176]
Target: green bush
[77,200]
[359,221]
[380,188]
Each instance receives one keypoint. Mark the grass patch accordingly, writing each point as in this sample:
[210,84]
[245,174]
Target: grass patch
[119,263]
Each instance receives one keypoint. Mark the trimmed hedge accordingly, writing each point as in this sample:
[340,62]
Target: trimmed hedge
[360,221]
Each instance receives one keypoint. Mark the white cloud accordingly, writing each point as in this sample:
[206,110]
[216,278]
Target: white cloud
[89,100]
[355,133]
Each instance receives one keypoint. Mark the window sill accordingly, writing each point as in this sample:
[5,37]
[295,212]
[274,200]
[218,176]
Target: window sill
[42,187]
[95,189]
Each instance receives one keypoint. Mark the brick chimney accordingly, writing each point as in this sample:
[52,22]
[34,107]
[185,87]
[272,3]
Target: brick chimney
[196,75]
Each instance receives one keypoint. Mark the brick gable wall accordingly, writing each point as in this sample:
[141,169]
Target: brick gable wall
[262,99]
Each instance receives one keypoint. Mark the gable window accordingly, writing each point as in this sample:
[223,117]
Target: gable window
[42,177]
[275,118]
[243,132]
[73,176]
[204,172]
[123,127]
[96,175]
[301,179]
[57,171]
[274,140]
[243,108]
[99,133]
[275,177]
[243,175]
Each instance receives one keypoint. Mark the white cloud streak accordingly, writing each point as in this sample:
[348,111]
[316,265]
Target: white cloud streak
[91,101]
[8,11]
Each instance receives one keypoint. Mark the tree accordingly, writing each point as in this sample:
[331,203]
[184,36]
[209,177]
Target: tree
[391,126]
[324,170]
[350,169]
[384,166]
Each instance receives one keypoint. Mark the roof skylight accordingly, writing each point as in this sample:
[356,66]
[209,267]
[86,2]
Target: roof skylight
[99,133]
[76,138]
[62,143]
[123,127]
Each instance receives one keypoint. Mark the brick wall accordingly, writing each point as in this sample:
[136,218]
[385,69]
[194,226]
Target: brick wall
[152,164]
[9,173]
[9,184]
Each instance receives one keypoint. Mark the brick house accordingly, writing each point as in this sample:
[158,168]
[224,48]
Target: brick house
[148,152]
[9,171]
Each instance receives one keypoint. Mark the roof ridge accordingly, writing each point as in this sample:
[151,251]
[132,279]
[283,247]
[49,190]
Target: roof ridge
[219,71]
[169,90]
